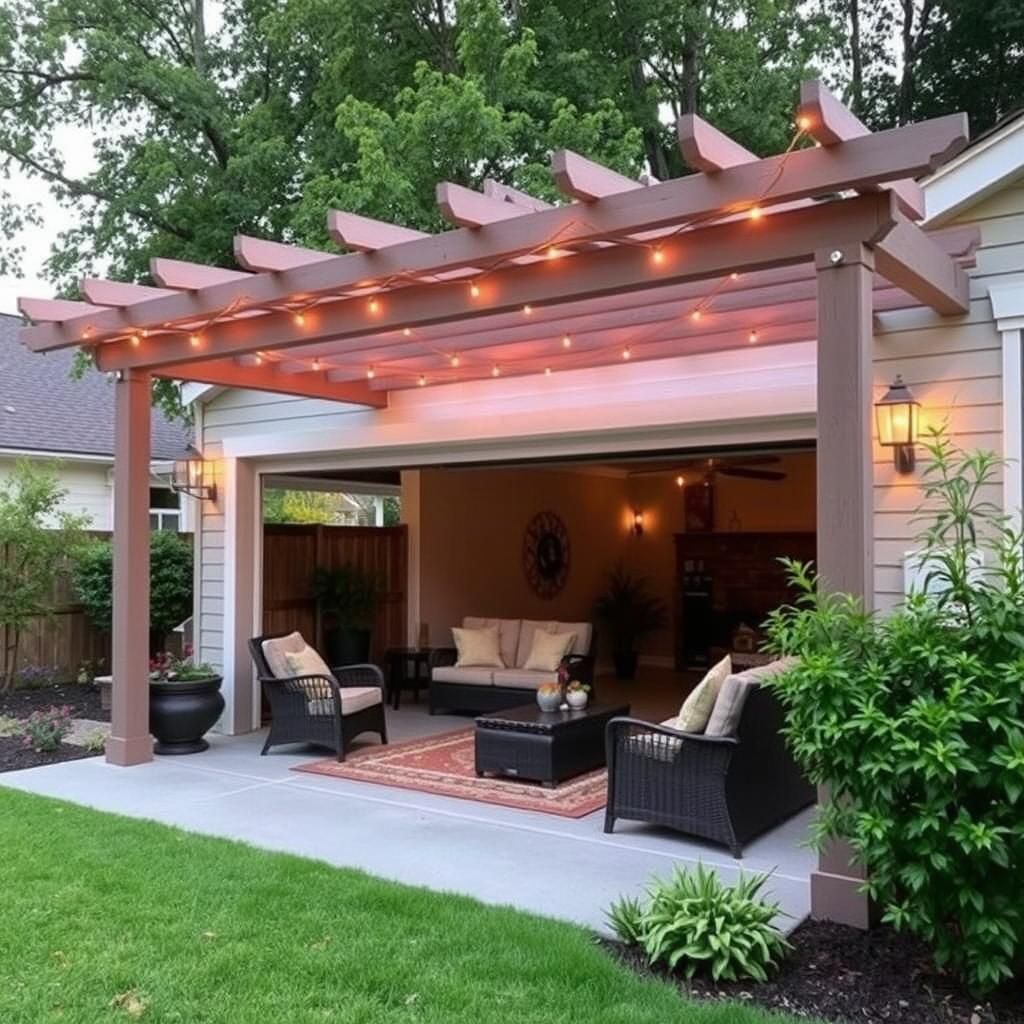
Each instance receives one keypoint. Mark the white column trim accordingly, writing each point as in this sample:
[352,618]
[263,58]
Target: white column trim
[1007,298]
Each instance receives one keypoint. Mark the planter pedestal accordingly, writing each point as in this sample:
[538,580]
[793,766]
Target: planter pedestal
[180,714]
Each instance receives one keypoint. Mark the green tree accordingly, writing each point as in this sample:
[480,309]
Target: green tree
[282,506]
[36,538]
[170,584]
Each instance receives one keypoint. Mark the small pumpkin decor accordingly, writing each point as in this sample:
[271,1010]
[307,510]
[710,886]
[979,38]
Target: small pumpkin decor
[184,703]
[577,695]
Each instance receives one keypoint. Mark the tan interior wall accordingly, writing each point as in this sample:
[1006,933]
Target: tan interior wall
[472,524]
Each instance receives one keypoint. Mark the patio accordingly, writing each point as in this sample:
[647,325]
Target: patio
[559,867]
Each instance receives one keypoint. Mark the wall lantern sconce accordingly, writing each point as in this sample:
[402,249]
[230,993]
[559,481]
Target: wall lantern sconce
[896,415]
[637,527]
[194,476]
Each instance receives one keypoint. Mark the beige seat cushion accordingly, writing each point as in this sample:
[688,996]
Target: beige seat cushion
[521,679]
[478,648]
[468,676]
[508,634]
[696,710]
[306,662]
[548,650]
[275,652]
[353,699]
[725,717]
[581,644]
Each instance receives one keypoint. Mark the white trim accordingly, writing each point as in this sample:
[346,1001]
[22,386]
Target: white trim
[192,392]
[1007,298]
[297,482]
[977,173]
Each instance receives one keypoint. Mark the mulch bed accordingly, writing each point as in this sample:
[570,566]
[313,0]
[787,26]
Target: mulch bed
[14,755]
[840,974]
[84,701]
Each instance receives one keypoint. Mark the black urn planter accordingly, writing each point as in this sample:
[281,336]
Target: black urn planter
[180,714]
[625,664]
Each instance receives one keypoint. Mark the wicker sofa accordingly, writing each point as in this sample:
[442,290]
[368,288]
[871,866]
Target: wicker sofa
[479,690]
[727,789]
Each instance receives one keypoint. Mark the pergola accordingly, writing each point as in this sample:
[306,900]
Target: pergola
[804,245]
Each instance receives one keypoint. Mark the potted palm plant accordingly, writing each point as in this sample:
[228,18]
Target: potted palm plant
[348,598]
[628,611]
[184,703]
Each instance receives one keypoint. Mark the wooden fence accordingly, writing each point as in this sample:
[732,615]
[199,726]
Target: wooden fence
[291,553]
[60,643]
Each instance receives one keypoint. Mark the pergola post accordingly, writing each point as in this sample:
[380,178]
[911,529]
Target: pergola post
[130,742]
[845,497]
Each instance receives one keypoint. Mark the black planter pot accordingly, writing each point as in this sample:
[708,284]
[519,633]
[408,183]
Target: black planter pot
[625,664]
[347,646]
[180,714]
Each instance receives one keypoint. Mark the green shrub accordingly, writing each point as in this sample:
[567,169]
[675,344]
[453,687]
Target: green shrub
[915,722]
[43,731]
[170,583]
[694,922]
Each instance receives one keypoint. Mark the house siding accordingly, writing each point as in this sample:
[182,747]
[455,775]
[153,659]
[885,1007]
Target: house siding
[87,485]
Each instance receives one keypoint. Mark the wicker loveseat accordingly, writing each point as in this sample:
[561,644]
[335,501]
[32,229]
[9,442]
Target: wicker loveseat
[327,710]
[479,689]
[728,788]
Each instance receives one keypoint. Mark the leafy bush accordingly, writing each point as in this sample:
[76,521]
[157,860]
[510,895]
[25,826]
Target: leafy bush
[170,583]
[915,722]
[44,730]
[349,594]
[695,922]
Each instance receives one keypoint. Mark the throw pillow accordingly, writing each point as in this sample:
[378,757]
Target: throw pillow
[697,708]
[548,650]
[725,718]
[308,663]
[478,648]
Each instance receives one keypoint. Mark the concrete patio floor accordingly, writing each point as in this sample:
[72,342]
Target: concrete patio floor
[559,867]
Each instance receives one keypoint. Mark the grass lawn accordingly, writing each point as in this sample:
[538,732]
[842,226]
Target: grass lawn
[105,918]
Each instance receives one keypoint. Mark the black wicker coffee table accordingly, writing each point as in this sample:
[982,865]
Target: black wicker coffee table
[544,746]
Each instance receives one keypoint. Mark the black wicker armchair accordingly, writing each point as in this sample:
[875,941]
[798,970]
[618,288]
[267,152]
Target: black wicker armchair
[727,789]
[325,710]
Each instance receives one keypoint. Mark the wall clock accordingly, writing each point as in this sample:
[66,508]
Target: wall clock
[546,554]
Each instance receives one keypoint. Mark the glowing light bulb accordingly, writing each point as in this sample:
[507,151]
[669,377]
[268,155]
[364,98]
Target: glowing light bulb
[527,309]
[373,306]
[422,381]
[734,276]
[455,360]
[626,353]
[370,373]
[552,253]
[803,122]
[752,337]
[755,213]
[474,290]
[495,371]
[406,332]
[316,365]
[696,315]
[547,371]
[566,341]
[259,359]
[680,481]
[194,340]
[657,256]
[136,341]
[299,318]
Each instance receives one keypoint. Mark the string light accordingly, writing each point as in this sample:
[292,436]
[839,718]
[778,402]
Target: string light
[803,122]
[752,337]
[373,306]
[566,341]
[626,353]
[734,276]
[259,359]
[406,332]
[696,315]
[316,365]
[194,340]
[552,253]
[136,341]
[547,371]
[756,213]
[422,381]
[455,360]
[370,373]
[527,309]
[299,318]
[474,290]
[680,481]
[657,255]
[495,371]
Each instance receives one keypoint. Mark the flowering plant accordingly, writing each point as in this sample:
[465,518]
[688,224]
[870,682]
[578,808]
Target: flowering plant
[44,730]
[167,667]
[577,687]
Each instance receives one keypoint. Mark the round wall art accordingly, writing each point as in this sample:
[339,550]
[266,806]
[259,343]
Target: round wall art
[546,554]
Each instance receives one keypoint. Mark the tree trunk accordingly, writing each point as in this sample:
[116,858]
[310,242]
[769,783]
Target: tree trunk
[905,95]
[856,61]
[199,36]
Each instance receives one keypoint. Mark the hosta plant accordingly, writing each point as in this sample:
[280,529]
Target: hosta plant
[915,723]
[694,923]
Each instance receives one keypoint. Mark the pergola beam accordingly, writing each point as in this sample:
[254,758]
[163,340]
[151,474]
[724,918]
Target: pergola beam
[585,180]
[469,209]
[770,241]
[118,293]
[365,234]
[52,311]
[179,274]
[705,148]
[913,149]
[257,254]
[265,376]
[830,122]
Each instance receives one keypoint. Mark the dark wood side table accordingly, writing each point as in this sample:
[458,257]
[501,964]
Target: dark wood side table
[408,669]
[545,746]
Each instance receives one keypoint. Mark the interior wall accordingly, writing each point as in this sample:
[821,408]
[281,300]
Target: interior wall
[472,522]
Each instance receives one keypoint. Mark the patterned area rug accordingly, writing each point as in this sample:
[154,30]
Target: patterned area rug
[444,764]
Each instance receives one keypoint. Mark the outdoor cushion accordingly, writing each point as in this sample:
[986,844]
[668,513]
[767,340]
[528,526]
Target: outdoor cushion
[305,663]
[508,634]
[521,679]
[725,717]
[275,650]
[468,676]
[656,744]
[478,647]
[548,650]
[696,710]
[353,699]
[581,645]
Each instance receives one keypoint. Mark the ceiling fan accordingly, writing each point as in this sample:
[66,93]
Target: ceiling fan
[744,467]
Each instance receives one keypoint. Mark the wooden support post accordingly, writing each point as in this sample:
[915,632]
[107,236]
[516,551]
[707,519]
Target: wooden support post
[845,496]
[130,742]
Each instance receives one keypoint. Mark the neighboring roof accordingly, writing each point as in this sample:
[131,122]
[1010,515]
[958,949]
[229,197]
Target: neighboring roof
[993,160]
[44,409]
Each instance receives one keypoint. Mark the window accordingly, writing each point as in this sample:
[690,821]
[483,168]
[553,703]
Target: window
[164,509]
